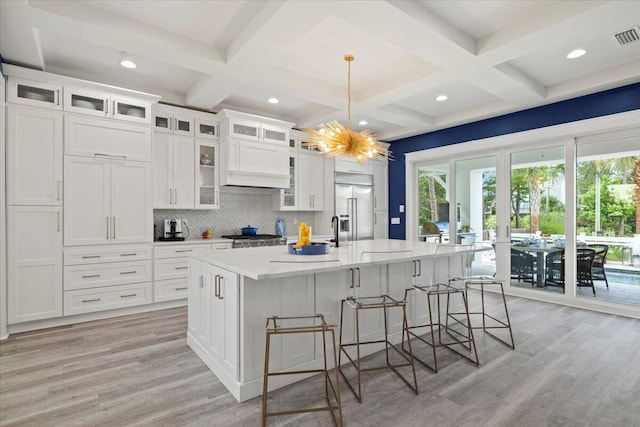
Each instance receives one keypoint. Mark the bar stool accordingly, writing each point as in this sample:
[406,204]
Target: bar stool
[434,337]
[304,324]
[478,283]
[382,302]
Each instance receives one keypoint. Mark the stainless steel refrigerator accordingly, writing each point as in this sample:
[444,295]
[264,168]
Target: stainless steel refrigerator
[354,206]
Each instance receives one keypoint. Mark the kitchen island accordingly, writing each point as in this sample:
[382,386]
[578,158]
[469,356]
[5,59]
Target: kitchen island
[231,294]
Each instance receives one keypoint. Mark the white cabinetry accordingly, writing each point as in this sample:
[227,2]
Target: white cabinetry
[30,92]
[207,188]
[311,181]
[84,136]
[207,128]
[306,178]
[173,171]
[165,119]
[213,318]
[107,201]
[171,268]
[98,278]
[34,156]
[105,104]
[34,240]
[254,150]
[283,296]
[348,164]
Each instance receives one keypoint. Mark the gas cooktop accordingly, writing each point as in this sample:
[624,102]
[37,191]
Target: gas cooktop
[252,237]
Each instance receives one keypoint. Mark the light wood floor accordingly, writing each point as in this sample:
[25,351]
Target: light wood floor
[570,368]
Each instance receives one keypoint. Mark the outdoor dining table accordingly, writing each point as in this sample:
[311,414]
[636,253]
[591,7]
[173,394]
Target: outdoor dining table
[540,252]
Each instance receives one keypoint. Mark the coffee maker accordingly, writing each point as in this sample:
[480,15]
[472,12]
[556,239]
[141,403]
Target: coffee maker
[172,230]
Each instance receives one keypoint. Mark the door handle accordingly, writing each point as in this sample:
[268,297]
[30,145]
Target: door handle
[58,221]
[107,218]
[353,278]
[220,278]
[358,269]
[113,220]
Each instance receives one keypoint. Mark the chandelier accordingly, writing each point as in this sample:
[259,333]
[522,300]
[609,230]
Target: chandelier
[336,140]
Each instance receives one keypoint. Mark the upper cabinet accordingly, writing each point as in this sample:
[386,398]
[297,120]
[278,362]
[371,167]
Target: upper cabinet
[207,175]
[105,104]
[86,136]
[167,120]
[34,156]
[207,128]
[38,94]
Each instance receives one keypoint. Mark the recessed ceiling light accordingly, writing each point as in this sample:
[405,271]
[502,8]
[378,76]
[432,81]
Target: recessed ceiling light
[441,98]
[126,63]
[273,100]
[363,122]
[577,53]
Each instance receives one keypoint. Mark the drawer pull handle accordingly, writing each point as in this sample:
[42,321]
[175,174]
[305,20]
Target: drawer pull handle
[128,295]
[131,254]
[181,268]
[90,256]
[89,276]
[181,289]
[128,272]
[184,250]
[91,300]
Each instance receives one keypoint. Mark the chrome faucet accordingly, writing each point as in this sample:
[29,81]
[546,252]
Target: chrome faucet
[336,231]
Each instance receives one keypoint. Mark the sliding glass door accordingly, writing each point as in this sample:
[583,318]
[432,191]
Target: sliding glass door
[537,219]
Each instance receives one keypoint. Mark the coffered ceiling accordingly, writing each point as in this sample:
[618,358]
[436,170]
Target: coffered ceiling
[488,57]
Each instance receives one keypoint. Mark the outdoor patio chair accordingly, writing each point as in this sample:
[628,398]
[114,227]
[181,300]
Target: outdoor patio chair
[522,266]
[597,270]
[554,269]
[584,264]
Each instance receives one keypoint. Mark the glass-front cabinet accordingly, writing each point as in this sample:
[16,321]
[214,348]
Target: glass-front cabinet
[245,130]
[207,182]
[38,94]
[208,129]
[104,104]
[168,122]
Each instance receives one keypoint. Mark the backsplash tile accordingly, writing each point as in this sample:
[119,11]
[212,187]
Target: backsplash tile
[237,210]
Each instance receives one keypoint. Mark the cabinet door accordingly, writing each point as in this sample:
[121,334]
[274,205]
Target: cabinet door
[275,134]
[34,93]
[162,170]
[207,182]
[287,198]
[87,219]
[208,129]
[86,101]
[297,297]
[369,281]
[34,240]
[34,156]
[131,207]
[380,185]
[87,136]
[196,283]
[244,130]
[130,109]
[224,319]
[183,172]
[380,224]
[311,179]
[183,125]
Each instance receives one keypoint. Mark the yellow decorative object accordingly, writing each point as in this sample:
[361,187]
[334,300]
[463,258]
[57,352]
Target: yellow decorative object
[335,140]
[304,236]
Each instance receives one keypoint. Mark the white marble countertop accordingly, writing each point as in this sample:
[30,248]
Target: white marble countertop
[254,262]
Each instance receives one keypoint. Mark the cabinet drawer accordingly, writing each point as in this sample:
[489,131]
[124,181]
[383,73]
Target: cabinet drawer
[97,275]
[100,254]
[170,268]
[221,246]
[168,290]
[174,251]
[106,298]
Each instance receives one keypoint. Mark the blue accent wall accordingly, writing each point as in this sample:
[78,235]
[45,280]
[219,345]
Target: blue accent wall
[613,101]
